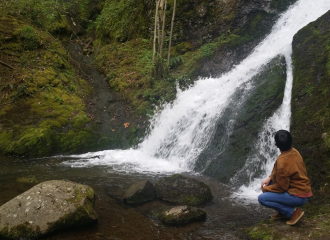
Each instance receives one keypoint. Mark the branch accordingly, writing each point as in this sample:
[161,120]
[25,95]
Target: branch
[5,64]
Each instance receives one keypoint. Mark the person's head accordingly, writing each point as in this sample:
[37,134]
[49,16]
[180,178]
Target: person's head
[283,140]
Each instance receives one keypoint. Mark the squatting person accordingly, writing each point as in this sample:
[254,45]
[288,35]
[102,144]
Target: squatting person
[288,187]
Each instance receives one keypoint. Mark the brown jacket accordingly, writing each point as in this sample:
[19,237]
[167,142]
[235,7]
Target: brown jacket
[289,174]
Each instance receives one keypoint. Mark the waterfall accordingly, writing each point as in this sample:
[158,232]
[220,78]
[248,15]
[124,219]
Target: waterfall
[266,144]
[183,128]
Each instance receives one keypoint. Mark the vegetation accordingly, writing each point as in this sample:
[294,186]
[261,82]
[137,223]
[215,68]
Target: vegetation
[40,82]
[42,107]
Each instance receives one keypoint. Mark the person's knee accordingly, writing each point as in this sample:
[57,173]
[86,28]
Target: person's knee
[261,200]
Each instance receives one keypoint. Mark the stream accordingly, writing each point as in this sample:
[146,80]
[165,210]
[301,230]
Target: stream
[226,217]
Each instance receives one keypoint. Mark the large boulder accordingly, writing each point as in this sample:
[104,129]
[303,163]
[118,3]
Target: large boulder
[47,207]
[179,189]
[139,193]
[180,215]
[310,124]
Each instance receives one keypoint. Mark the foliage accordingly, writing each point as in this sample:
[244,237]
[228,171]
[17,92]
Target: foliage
[207,50]
[29,38]
[174,61]
[122,21]
[51,15]
[128,67]
[119,34]
[42,107]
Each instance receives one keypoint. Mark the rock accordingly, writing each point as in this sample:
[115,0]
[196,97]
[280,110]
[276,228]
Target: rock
[178,189]
[226,154]
[181,215]
[140,192]
[47,207]
[310,96]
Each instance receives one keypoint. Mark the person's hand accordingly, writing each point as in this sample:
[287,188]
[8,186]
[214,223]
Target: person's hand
[265,182]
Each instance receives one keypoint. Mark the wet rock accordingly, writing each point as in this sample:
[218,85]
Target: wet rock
[310,96]
[139,193]
[226,154]
[47,207]
[179,189]
[181,215]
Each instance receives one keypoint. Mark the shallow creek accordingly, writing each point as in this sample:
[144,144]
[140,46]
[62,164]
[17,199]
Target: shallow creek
[226,217]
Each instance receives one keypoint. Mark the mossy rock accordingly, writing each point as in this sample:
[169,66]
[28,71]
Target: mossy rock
[310,123]
[139,193]
[47,207]
[181,215]
[179,189]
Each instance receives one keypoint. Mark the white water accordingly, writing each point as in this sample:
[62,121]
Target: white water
[181,131]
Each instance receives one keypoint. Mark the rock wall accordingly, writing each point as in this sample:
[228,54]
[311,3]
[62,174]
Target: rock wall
[237,130]
[311,98]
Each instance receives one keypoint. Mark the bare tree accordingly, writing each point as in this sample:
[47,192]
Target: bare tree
[155,31]
[159,35]
[171,33]
[163,19]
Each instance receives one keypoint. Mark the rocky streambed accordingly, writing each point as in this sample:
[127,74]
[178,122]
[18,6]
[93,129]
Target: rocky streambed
[226,217]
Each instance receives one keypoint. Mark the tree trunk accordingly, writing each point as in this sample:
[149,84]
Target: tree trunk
[163,29]
[155,32]
[171,32]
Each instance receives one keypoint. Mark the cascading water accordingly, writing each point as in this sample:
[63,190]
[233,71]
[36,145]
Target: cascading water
[182,129]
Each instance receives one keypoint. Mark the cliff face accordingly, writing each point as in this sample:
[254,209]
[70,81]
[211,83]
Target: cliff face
[311,98]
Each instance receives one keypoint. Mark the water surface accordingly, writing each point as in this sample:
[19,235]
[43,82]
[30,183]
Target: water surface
[225,216]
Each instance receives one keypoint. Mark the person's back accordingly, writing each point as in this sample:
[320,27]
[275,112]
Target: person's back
[288,186]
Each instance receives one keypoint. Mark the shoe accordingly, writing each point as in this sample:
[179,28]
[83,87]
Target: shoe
[278,216]
[296,215]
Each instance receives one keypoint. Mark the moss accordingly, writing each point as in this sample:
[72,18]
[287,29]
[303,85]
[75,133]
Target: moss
[31,179]
[80,194]
[84,212]
[310,101]
[42,98]
[122,21]
[23,230]
[188,215]
[29,38]
[260,233]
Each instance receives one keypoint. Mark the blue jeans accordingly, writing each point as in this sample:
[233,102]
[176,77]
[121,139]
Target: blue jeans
[284,203]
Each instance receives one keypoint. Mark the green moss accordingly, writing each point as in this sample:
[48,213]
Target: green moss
[260,233]
[207,50]
[79,195]
[122,21]
[43,100]
[311,104]
[29,38]
[84,213]
[23,230]
[31,179]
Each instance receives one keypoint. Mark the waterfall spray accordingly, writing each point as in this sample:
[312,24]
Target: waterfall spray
[183,128]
